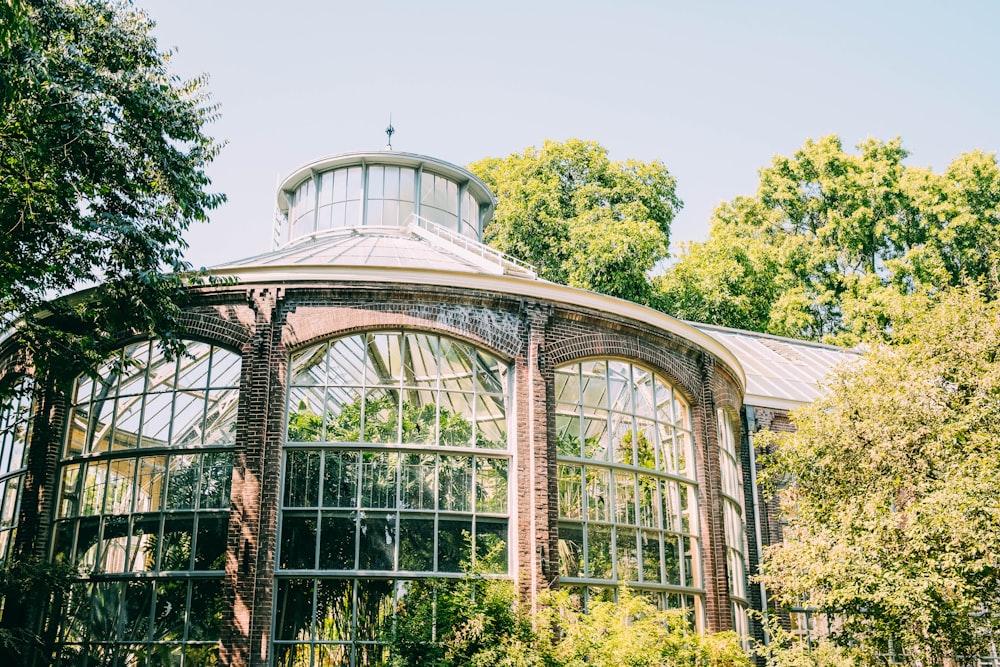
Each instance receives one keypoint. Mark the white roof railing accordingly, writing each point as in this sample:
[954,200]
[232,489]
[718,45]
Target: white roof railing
[507,263]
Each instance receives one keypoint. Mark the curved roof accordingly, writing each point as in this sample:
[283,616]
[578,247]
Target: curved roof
[420,244]
[426,254]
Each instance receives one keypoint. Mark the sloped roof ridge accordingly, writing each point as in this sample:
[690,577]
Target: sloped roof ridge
[780,339]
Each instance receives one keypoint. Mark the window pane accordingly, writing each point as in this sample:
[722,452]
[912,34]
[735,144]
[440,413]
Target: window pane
[178,537]
[453,544]
[298,541]
[570,549]
[293,601]
[491,485]
[491,545]
[599,551]
[336,547]
[378,485]
[334,605]
[340,479]
[570,493]
[626,554]
[378,542]
[302,478]
[416,543]
[210,552]
[418,489]
[375,606]
[455,483]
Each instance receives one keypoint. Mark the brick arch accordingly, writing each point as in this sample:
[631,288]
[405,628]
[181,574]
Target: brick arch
[310,326]
[210,328]
[682,373]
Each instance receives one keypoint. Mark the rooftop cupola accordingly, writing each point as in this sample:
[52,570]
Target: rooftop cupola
[381,189]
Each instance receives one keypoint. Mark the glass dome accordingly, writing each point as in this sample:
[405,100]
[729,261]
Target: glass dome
[381,189]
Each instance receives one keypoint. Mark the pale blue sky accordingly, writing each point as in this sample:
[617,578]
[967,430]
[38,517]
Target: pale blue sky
[713,89]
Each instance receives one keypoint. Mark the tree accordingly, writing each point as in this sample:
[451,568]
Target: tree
[580,218]
[891,498]
[830,239]
[102,170]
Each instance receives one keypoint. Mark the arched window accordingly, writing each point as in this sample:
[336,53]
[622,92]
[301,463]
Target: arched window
[143,505]
[395,468]
[627,490]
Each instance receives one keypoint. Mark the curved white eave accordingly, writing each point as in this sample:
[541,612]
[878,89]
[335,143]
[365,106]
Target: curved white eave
[538,289]
[771,402]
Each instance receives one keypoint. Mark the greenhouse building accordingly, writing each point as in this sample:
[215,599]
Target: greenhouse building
[380,400]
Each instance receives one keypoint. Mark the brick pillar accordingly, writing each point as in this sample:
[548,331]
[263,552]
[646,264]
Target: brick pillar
[713,546]
[40,483]
[535,512]
[253,520]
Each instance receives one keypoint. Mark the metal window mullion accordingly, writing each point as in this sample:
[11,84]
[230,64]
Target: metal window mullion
[319,510]
[357,510]
[364,195]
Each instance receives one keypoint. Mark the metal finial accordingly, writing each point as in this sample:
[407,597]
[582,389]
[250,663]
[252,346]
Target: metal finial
[389,131]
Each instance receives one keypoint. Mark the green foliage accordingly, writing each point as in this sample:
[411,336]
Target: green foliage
[785,649]
[580,218]
[630,632]
[102,168]
[891,498]
[472,621]
[480,622]
[28,585]
[835,246]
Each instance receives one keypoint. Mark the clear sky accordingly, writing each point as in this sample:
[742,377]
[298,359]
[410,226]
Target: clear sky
[712,89]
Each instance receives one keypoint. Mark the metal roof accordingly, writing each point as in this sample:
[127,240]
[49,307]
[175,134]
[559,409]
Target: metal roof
[420,244]
[781,372]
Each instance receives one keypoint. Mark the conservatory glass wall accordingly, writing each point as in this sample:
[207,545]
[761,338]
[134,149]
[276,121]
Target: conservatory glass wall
[627,491]
[733,513]
[15,431]
[380,195]
[143,506]
[395,470]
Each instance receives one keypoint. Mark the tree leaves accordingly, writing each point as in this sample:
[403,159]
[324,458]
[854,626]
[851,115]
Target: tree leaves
[833,245]
[580,218]
[103,169]
[893,510]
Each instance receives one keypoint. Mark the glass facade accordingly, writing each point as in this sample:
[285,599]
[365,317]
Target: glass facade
[396,467]
[15,431]
[143,506]
[733,513]
[627,491]
[380,196]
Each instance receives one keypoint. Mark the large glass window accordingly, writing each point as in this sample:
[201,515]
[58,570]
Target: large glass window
[396,467]
[733,513]
[15,430]
[390,196]
[626,480]
[143,505]
[339,199]
[439,200]
[470,216]
[301,214]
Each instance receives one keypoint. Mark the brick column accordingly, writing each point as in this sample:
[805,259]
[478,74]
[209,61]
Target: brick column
[253,520]
[713,542]
[535,512]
